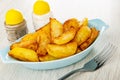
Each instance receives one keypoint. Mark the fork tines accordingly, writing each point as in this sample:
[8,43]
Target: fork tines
[105,54]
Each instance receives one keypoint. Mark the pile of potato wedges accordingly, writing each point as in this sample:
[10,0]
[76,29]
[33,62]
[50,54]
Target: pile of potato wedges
[54,41]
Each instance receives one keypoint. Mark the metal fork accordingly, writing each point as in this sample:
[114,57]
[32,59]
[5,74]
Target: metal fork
[96,62]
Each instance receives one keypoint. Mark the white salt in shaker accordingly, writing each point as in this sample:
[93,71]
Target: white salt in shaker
[41,14]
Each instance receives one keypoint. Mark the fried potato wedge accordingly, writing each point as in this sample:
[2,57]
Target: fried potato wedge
[30,44]
[24,54]
[30,36]
[45,28]
[46,58]
[65,37]
[90,40]
[43,39]
[84,22]
[17,44]
[82,35]
[56,28]
[61,51]
[71,23]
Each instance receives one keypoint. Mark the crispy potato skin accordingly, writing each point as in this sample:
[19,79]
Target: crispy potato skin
[84,22]
[30,44]
[71,23]
[28,41]
[16,44]
[43,40]
[56,28]
[47,57]
[61,51]
[65,37]
[90,40]
[45,28]
[24,54]
[82,35]
[30,36]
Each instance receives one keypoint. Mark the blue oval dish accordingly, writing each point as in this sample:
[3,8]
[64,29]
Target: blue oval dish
[97,23]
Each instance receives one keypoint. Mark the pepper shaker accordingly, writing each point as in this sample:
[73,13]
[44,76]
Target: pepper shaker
[15,25]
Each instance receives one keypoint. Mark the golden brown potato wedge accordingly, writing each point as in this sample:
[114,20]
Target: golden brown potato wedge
[82,35]
[56,28]
[46,58]
[30,36]
[43,39]
[16,44]
[61,51]
[73,22]
[45,28]
[90,40]
[84,22]
[65,37]
[30,44]
[24,54]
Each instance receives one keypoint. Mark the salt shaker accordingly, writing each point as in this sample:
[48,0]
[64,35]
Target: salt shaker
[41,14]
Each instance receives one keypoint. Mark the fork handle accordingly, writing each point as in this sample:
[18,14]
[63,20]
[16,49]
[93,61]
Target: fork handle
[72,72]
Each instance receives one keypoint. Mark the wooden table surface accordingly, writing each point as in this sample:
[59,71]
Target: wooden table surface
[107,10]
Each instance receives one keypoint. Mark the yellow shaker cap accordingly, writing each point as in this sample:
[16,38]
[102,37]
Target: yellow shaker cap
[13,17]
[41,7]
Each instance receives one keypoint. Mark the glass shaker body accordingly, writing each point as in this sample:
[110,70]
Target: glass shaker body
[14,32]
